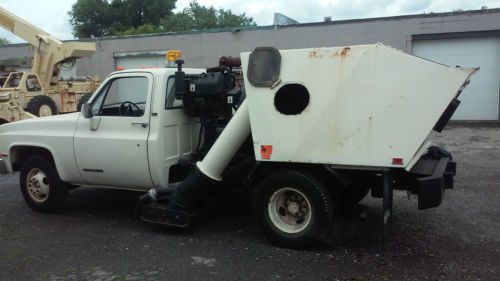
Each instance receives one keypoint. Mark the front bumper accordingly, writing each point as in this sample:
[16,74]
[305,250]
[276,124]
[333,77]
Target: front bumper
[4,166]
[432,175]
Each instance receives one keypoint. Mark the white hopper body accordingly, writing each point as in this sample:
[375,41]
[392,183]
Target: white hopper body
[369,105]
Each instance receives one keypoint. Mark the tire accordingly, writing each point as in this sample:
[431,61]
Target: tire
[293,208]
[42,106]
[84,99]
[41,187]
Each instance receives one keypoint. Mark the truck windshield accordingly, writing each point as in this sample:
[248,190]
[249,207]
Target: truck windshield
[13,80]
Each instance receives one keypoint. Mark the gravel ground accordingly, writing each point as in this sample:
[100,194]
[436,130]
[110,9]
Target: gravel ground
[98,237]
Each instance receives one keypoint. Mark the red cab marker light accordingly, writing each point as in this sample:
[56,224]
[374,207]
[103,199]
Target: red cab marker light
[397,161]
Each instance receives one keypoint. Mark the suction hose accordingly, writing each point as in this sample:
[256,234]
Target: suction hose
[209,171]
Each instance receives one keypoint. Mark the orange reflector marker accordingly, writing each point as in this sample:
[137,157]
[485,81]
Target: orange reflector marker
[120,68]
[266,151]
[397,161]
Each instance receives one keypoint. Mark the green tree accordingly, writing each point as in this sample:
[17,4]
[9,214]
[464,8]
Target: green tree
[134,13]
[197,17]
[142,29]
[91,17]
[4,41]
[128,17]
[105,17]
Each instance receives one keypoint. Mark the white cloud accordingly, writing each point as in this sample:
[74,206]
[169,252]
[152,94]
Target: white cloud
[315,10]
[52,15]
[49,15]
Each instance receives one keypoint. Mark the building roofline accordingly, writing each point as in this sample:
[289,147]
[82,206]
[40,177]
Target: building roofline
[267,27]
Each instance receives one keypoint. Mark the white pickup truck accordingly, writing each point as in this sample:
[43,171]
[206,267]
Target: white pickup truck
[137,133]
[318,127]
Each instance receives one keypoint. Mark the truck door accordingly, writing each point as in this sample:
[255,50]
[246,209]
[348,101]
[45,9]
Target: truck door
[111,147]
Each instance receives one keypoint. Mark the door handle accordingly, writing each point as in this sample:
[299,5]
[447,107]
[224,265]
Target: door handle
[142,124]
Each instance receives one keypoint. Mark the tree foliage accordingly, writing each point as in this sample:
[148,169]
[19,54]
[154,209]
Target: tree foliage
[142,29]
[134,13]
[4,41]
[105,17]
[197,17]
[91,17]
[127,17]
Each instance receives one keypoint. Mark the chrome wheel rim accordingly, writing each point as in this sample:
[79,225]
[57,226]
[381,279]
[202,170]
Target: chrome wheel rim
[45,110]
[38,185]
[289,210]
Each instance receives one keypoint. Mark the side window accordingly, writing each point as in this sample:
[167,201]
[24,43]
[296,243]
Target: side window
[32,84]
[122,97]
[171,102]
[13,80]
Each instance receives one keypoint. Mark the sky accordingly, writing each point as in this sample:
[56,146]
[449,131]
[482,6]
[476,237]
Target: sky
[52,15]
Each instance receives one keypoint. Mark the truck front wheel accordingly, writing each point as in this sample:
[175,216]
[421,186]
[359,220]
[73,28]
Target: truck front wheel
[42,106]
[41,187]
[293,208]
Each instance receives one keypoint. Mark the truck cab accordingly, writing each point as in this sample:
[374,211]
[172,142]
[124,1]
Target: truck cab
[23,86]
[135,132]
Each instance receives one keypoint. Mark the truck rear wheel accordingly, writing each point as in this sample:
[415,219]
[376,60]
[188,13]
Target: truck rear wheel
[293,208]
[42,106]
[41,187]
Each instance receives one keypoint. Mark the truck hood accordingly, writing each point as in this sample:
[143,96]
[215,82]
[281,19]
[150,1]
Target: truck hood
[41,126]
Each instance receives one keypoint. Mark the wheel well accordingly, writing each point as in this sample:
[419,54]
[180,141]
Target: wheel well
[338,179]
[20,154]
[329,177]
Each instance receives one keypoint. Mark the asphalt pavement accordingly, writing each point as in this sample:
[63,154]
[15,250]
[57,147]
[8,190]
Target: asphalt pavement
[99,237]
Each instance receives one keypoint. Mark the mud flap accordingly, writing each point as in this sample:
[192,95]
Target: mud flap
[387,199]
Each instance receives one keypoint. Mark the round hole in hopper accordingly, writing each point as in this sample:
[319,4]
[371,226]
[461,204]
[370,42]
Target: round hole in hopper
[291,99]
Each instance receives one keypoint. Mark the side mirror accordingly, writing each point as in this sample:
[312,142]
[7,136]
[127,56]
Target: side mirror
[87,110]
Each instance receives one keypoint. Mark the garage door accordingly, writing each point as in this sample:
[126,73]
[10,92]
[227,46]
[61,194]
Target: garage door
[481,98]
[150,59]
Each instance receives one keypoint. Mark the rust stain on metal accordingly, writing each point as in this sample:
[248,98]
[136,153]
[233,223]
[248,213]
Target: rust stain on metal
[314,54]
[343,53]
